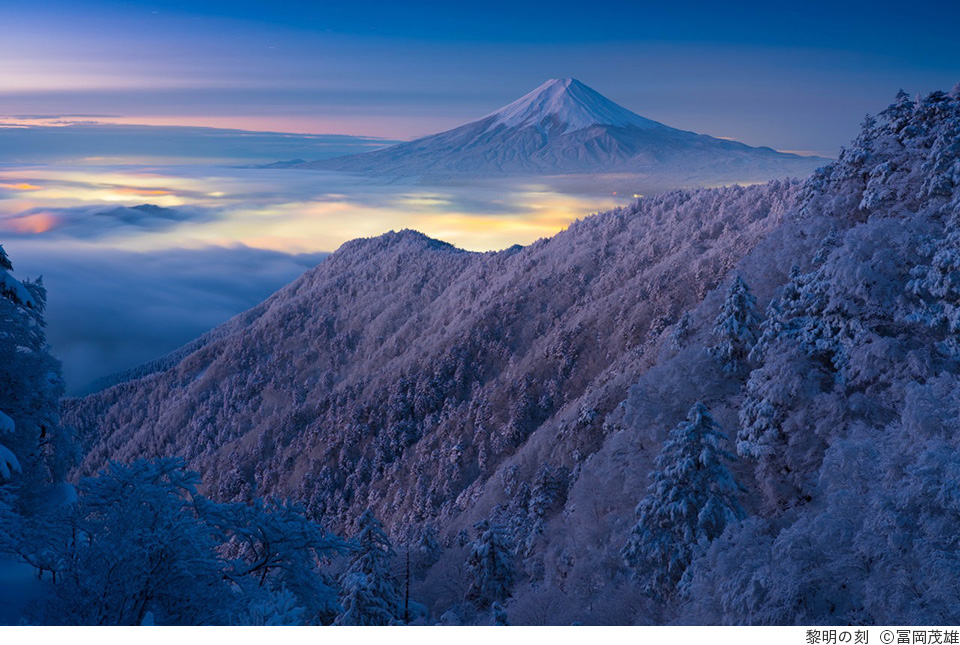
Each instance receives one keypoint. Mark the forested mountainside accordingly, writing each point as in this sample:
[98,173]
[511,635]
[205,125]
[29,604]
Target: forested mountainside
[796,340]
[404,370]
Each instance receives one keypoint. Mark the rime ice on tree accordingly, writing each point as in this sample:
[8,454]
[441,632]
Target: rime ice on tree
[491,561]
[692,498]
[736,327]
[369,595]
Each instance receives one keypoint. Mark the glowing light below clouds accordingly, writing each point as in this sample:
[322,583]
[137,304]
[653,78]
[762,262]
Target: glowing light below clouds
[20,186]
[291,211]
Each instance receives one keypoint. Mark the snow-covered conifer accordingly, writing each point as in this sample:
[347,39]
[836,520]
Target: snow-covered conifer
[736,328]
[10,287]
[692,498]
[275,609]
[14,291]
[428,546]
[491,563]
[499,615]
[133,544]
[681,332]
[369,594]
[32,442]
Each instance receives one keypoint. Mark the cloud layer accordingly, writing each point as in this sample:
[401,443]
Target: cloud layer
[110,310]
[60,139]
[94,222]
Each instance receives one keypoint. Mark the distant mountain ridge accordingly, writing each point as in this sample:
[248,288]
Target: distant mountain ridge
[565,127]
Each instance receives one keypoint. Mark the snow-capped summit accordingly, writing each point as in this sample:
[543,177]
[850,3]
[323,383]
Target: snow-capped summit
[565,105]
[565,128]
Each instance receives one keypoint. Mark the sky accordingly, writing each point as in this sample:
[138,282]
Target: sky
[148,236]
[794,76]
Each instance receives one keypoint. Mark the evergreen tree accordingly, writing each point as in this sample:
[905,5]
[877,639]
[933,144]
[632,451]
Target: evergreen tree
[369,593]
[681,332]
[736,327]
[499,615]
[9,464]
[898,115]
[16,294]
[429,549]
[549,492]
[779,316]
[693,497]
[785,446]
[936,284]
[276,609]
[10,287]
[491,562]
[808,314]
[32,444]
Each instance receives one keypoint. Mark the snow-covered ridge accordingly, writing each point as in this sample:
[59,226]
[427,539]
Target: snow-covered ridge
[565,105]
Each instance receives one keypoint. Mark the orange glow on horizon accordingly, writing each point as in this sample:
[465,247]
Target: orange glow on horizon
[20,186]
[286,212]
[35,223]
[142,191]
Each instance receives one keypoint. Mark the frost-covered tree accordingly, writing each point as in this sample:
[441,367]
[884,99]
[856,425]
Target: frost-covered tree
[491,563]
[272,547]
[369,594]
[139,541]
[549,492]
[736,328]
[681,332]
[14,291]
[16,296]
[874,547]
[9,464]
[810,313]
[10,287]
[789,409]
[936,283]
[499,615]
[692,498]
[133,544]
[275,609]
[428,547]
[35,451]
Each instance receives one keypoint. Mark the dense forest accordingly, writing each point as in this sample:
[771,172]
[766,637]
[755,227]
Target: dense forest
[731,405]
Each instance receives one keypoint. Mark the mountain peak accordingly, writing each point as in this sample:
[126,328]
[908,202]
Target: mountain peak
[565,105]
[564,127]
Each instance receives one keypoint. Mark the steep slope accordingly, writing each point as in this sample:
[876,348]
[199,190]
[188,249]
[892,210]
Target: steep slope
[565,127]
[534,387]
[346,386]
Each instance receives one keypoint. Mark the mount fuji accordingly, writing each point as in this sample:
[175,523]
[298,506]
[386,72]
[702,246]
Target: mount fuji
[566,128]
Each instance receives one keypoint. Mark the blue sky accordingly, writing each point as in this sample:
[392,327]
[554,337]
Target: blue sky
[795,77]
